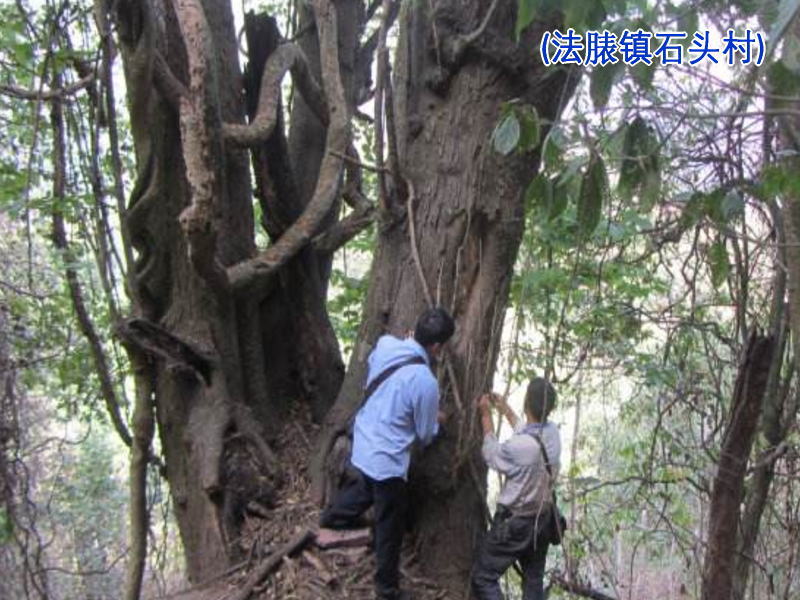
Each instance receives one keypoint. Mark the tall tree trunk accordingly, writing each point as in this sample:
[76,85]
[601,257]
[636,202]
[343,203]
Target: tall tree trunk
[461,235]
[727,494]
[198,283]
[198,382]
[777,419]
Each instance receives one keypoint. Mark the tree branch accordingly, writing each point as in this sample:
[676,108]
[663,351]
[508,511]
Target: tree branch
[139,515]
[197,219]
[59,236]
[344,231]
[287,57]
[380,86]
[155,341]
[172,88]
[262,267]
[51,94]
[275,559]
[579,590]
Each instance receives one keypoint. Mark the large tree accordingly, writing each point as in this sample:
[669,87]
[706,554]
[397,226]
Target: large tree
[452,225]
[224,332]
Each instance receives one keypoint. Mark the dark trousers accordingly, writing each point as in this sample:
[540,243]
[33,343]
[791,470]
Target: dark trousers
[390,501]
[511,538]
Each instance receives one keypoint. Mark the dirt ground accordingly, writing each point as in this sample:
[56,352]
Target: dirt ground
[312,573]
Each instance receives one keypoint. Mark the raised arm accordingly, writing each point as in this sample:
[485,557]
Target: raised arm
[494,453]
[504,409]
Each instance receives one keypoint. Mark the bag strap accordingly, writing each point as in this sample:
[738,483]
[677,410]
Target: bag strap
[556,513]
[538,439]
[547,466]
[386,373]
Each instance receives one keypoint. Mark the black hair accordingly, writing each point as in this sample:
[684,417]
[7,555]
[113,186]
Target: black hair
[540,398]
[434,326]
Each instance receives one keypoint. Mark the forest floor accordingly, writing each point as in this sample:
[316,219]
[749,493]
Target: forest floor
[310,573]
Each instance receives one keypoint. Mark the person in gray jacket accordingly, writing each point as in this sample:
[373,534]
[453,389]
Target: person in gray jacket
[525,500]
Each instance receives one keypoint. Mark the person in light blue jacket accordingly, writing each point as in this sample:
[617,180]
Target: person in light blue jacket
[402,406]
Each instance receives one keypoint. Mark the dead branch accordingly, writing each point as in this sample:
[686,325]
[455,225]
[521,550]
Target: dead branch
[51,94]
[319,566]
[262,267]
[156,341]
[578,589]
[266,567]
[344,231]
[287,57]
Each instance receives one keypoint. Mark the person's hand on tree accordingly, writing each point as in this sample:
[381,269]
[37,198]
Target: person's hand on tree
[498,401]
[485,402]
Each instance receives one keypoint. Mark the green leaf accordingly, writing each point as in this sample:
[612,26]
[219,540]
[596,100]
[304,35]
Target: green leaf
[787,11]
[650,191]
[694,210]
[526,12]
[602,81]
[596,14]
[643,74]
[506,134]
[560,200]
[782,80]
[777,180]
[640,169]
[772,178]
[531,129]
[594,189]
[539,193]
[552,151]
[576,13]
[713,205]
[717,255]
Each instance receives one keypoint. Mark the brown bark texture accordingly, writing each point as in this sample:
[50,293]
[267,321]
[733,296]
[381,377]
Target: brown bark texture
[454,217]
[233,334]
[728,490]
[198,284]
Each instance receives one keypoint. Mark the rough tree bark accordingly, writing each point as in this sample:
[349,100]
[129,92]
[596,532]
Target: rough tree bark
[201,290]
[454,217]
[778,415]
[198,282]
[728,491]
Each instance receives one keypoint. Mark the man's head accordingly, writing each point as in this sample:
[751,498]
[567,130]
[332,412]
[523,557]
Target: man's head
[434,327]
[540,399]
